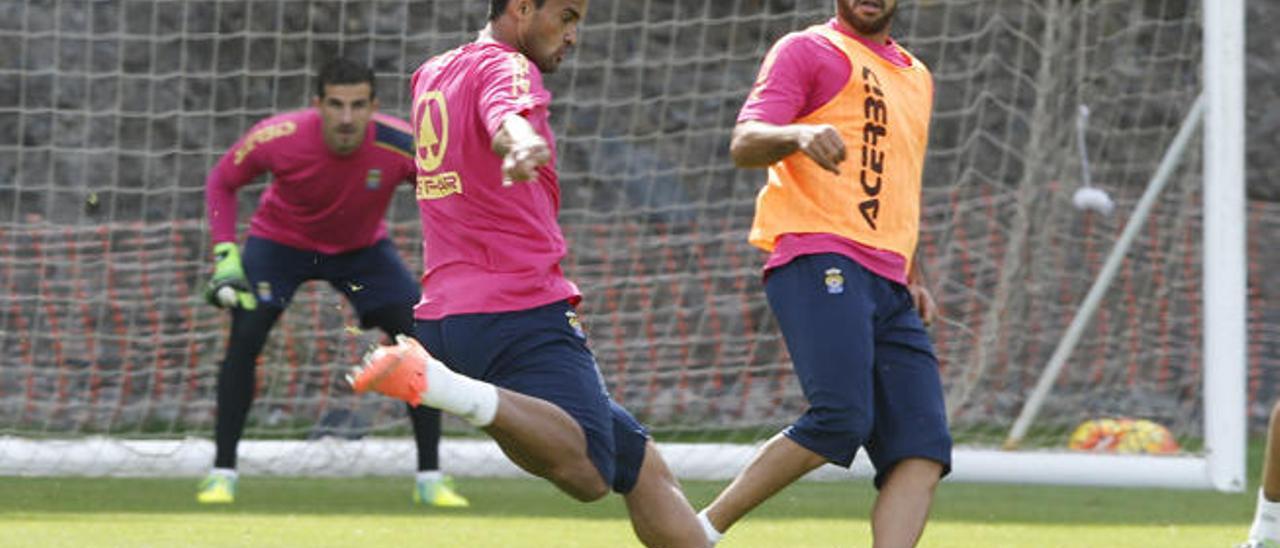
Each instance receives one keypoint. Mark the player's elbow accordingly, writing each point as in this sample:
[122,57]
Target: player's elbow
[741,149]
[214,187]
[751,147]
[738,152]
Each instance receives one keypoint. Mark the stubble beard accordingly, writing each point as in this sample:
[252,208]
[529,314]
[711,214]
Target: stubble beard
[874,26]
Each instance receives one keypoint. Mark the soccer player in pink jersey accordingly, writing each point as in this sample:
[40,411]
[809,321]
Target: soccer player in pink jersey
[495,305]
[335,167]
[840,116]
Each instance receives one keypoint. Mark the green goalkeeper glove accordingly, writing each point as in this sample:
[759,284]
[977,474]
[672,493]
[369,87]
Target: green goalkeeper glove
[229,288]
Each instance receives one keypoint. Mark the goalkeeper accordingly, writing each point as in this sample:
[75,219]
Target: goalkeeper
[840,116]
[335,167]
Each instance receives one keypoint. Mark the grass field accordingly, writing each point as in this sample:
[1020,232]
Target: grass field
[77,512]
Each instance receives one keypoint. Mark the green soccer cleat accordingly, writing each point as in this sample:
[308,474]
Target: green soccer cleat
[217,489]
[439,493]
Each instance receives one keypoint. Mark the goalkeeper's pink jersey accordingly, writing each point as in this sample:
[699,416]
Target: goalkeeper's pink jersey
[488,246]
[802,72]
[316,200]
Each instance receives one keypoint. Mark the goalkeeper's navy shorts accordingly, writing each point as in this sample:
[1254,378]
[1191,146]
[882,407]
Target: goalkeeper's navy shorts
[542,352]
[371,278]
[864,361]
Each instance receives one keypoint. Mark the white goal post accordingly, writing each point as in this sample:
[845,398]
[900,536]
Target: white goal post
[1225,276]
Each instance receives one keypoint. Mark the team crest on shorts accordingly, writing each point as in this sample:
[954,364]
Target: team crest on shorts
[373,180]
[834,280]
[575,324]
[264,290]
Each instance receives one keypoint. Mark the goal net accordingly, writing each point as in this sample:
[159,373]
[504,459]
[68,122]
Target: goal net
[111,114]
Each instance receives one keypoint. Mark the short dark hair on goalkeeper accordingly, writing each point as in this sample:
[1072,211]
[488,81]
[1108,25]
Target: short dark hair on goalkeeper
[496,7]
[345,71]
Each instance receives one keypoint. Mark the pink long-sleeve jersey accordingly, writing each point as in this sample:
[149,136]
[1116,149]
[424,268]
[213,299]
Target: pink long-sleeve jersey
[316,200]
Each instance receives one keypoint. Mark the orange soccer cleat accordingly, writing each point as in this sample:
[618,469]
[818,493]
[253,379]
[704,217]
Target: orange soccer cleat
[398,370]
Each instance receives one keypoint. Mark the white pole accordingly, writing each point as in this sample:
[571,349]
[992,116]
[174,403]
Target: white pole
[1225,355]
[1109,268]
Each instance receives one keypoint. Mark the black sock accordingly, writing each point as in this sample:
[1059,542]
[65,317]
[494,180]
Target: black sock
[396,320]
[426,433]
[249,329]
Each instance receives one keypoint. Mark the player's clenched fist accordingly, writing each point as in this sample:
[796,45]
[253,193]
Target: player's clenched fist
[823,144]
[229,288]
[923,300]
[522,150]
[522,160]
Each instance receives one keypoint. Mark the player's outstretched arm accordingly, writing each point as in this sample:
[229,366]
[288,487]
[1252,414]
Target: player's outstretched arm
[759,144]
[521,148]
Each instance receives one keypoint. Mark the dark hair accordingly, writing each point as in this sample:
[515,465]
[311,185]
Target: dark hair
[345,71]
[496,7]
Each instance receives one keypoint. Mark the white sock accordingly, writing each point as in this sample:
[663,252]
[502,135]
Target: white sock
[713,536]
[475,401]
[229,473]
[1266,520]
[429,476]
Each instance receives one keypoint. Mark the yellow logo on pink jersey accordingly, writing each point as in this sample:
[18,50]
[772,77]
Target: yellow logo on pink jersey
[520,84]
[263,135]
[431,143]
[882,114]
[434,187]
[432,138]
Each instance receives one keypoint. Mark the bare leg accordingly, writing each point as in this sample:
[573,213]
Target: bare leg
[1266,515]
[545,441]
[1271,462]
[537,435]
[660,513]
[779,463]
[902,507]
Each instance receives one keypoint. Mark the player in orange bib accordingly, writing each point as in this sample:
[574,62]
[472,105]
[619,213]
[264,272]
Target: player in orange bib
[840,117]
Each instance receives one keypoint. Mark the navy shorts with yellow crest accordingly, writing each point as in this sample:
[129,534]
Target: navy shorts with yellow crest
[864,362]
[370,278]
[542,352]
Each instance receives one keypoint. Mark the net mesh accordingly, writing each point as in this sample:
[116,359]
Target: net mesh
[111,114]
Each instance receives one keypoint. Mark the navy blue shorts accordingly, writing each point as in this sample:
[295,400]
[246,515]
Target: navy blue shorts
[864,362]
[542,352]
[371,278]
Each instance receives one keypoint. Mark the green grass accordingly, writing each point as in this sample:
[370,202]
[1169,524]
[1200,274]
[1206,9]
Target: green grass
[77,512]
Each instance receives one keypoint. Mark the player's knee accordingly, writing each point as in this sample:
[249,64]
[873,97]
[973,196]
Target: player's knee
[588,492]
[915,473]
[582,483]
[392,319]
